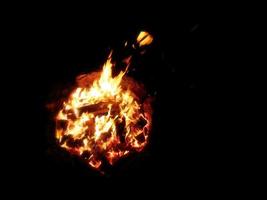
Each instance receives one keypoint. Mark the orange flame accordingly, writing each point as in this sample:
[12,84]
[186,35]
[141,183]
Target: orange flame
[144,38]
[105,119]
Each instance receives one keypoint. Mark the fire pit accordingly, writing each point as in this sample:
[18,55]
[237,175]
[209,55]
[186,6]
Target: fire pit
[106,117]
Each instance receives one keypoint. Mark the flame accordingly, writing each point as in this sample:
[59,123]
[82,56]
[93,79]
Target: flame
[105,119]
[144,38]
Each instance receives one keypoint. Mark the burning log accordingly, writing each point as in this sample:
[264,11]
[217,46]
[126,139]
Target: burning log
[101,108]
[96,109]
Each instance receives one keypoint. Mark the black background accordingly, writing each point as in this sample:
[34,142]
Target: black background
[189,148]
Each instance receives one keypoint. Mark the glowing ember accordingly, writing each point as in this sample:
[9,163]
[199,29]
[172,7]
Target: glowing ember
[105,117]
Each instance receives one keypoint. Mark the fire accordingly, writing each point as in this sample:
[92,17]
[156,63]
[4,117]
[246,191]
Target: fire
[105,117]
[144,38]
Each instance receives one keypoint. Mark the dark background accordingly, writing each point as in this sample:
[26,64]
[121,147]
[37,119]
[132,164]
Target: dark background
[189,148]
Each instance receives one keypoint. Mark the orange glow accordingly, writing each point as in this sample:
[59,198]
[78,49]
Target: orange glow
[105,117]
